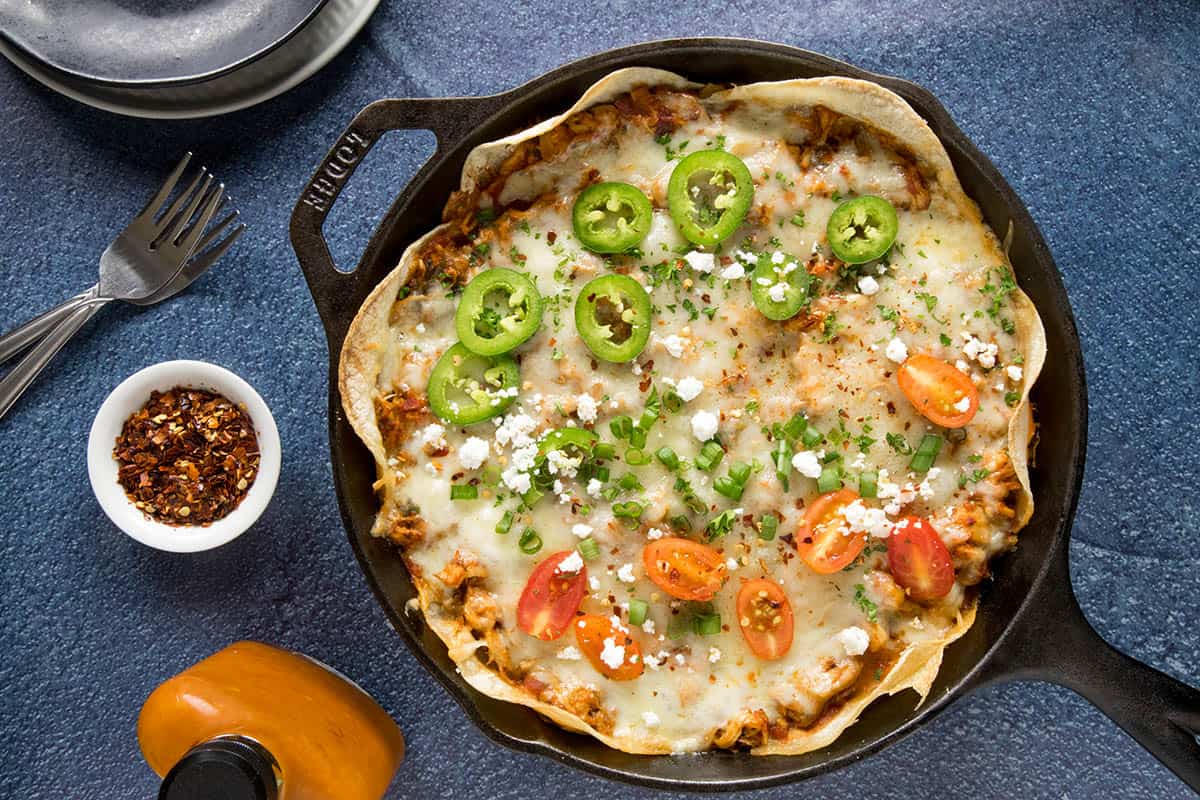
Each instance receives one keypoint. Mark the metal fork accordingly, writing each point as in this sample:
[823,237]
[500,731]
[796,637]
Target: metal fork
[148,261]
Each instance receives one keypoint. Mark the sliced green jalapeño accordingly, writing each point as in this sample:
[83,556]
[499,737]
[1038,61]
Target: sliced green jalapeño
[862,229]
[567,438]
[612,315]
[611,217]
[465,387]
[499,309]
[709,194]
[780,288]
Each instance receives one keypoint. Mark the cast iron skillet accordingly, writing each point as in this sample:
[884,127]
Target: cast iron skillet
[1029,624]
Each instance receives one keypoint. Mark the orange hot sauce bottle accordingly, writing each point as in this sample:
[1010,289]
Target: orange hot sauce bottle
[261,723]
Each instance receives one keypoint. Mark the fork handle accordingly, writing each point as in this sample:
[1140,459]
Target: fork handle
[21,337]
[28,368]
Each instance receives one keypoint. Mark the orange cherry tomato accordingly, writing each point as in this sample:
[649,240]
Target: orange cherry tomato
[606,644]
[765,616]
[919,560]
[824,539]
[684,569]
[938,390]
[550,598]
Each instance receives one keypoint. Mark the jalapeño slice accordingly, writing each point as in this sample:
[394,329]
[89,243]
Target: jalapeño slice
[611,217]
[465,387]
[564,438]
[862,229]
[709,194]
[499,309]
[780,290]
[612,315]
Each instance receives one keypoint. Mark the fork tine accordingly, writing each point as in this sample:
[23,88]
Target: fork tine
[205,259]
[152,208]
[168,216]
[186,241]
[216,229]
[179,223]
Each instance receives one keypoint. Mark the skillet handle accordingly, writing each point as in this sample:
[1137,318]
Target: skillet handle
[336,293]
[1160,712]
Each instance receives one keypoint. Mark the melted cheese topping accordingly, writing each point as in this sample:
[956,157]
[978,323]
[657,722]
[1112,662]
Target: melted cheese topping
[938,292]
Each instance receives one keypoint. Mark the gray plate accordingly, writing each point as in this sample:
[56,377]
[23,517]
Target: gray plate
[151,42]
[301,55]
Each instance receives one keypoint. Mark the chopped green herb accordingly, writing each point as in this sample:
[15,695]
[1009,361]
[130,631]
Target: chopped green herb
[865,603]
[899,444]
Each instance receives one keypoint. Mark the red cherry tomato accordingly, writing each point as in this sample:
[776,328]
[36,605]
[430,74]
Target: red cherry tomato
[939,391]
[919,560]
[765,616]
[684,569]
[604,643]
[824,539]
[551,597]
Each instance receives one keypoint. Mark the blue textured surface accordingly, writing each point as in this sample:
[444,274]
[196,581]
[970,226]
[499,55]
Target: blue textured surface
[1088,109]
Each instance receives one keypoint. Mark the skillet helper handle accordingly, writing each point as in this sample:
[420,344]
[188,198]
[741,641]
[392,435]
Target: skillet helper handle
[1160,712]
[339,293]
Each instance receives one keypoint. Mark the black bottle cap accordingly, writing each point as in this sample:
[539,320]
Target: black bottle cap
[230,768]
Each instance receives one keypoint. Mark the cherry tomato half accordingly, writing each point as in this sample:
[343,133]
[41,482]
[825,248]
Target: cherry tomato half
[919,560]
[824,539]
[765,616]
[942,394]
[684,569]
[605,644]
[551,597]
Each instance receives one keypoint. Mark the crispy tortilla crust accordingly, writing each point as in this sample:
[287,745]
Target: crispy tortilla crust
[362,357]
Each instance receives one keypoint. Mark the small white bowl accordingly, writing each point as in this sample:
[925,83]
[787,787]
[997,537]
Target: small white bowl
[130,396]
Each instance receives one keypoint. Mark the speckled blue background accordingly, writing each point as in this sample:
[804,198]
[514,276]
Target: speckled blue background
[1088,108]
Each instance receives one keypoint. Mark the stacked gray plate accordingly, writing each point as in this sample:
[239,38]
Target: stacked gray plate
[172,59]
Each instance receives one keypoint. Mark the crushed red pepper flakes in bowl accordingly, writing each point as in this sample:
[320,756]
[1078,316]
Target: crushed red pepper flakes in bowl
[187,457]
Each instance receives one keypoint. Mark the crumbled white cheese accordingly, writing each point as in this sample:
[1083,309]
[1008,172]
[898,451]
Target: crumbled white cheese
[1015,373]
[559,463]
[704,425]
[896,350]
[963,404]
[625,574]
[593,488]
[714,655]
[674,345]
[581,530]
[807,464]
[648,626]
[571,564]
[433,434]
[654,533]
[868,285]
[777,258]
[962,367]
[649,718]
[514,430]
[983,352]
[473,453]
[420,327]
[778,292]
[517,481]
[854,640]
[688,389]
[925,489]
[613,654]
[733,272]
[569,653]
[585,408]
[701,262]
[860,518]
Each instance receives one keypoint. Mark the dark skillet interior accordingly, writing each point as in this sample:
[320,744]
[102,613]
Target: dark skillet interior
[1059,395]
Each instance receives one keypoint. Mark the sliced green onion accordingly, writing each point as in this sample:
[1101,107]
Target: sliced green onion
[767,527]
[629,510]
[720,524]
[727,486]
[706,624]
[811,437]
[868,484]
[530,542]
[710,455]
[463,491]
[830,480]
[531,497]
[740,472]
[505,523]
[604,451]
[637,438]
[621,427]
[589,549]
[647,420]
[795,426]
[782,456]
[636,458]
[927,452]
[611,493]
[678,626]
[629,482]
[602,474]
[668,458]
[637,611]
[491,474]
[672,402]
[680,522]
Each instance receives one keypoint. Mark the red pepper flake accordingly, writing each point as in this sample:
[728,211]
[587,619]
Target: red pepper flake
[187,457]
